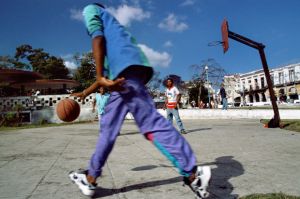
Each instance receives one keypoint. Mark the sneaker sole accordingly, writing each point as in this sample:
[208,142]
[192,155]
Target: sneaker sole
[206,181]
[82,189]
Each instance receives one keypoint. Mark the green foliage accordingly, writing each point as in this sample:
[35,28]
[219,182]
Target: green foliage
[154,84]
[9,116]
[10,119]
[197,91]
[291,125]
[18,107]
[49,66]
[10,62]
[85,73]
[42,122]
[39,125]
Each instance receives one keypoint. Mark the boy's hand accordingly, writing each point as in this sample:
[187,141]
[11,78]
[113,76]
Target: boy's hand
[113,85]
[80,95]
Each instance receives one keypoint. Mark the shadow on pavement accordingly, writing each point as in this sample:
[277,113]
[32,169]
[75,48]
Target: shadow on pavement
[129,133]
[143,168]
[227,167]
[102,192]
[188,131]
[195,130]
[220,187]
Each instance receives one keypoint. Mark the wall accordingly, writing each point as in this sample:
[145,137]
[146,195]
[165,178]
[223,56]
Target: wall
[234,114]
[43,107]
[46,110]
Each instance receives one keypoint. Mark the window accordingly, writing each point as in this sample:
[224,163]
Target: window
[272,78]
[280,77]
[255,83]
[292,75]
[262,82]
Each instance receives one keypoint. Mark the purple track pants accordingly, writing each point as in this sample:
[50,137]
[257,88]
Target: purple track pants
[136,100]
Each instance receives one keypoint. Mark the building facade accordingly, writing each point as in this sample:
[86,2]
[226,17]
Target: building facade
[252,88]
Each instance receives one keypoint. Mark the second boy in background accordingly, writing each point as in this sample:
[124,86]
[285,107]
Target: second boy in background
[172,104]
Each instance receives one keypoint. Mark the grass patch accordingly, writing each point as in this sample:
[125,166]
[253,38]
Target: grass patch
[270,196]
[29,126]
[291,125]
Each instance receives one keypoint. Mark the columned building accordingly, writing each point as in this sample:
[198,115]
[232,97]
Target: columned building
[252,87]
[231,85]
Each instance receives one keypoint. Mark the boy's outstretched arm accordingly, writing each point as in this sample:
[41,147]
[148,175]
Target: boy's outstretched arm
[98,45]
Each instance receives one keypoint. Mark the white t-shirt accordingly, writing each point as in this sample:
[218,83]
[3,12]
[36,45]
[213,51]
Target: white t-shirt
[171,95]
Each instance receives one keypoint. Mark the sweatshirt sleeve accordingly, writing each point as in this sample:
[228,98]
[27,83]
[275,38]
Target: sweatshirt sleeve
[93,22]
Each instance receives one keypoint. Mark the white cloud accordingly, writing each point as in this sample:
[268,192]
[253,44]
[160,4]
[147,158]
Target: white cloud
[76,14]
[172,24]
[70,64]
[67,56]
[160,59]
[168,44]
[188,3]
[126,14]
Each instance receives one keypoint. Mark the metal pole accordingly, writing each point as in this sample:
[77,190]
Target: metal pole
[206,69]
[275,122]
[276,119]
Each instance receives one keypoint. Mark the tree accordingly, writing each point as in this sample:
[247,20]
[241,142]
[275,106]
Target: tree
[197,91]
[85,73]
[215,72]
[199,80]
[10,62]
[154,84]
[49,66]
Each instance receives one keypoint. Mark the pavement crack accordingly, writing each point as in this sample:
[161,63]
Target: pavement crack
[153,157]
[42,179]
[113,180]
[23,154]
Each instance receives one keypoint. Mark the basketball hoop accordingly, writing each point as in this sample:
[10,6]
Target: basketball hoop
[224,42]
[215,43]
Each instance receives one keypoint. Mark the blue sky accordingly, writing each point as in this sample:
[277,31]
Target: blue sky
[173,33]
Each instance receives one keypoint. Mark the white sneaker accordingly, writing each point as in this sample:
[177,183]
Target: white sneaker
[79,178]
[201,182]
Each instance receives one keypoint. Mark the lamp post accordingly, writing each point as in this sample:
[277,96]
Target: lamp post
[206,71]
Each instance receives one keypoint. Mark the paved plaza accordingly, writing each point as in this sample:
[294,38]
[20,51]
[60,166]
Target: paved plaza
[245,158]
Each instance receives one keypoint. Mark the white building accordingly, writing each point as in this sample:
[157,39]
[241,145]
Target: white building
[252,87]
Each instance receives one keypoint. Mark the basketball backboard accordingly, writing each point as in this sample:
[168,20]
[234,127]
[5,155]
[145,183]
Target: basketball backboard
[224,30]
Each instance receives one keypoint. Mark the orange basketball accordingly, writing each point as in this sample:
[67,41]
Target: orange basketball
[67,110]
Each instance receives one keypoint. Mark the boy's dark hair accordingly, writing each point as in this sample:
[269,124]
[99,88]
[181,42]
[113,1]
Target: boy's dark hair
[98,4]
[170,80]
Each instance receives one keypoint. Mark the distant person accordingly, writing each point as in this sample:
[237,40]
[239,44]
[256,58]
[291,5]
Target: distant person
[70,91]
[212,104]
[37,93]
[193,103]
[201,104]
[100,101]
[172,102]
[223,97]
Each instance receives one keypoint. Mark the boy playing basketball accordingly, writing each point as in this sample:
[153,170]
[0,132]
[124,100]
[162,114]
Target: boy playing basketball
[128,73]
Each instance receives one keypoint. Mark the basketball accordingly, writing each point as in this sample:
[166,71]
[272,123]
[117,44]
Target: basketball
[67,110]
